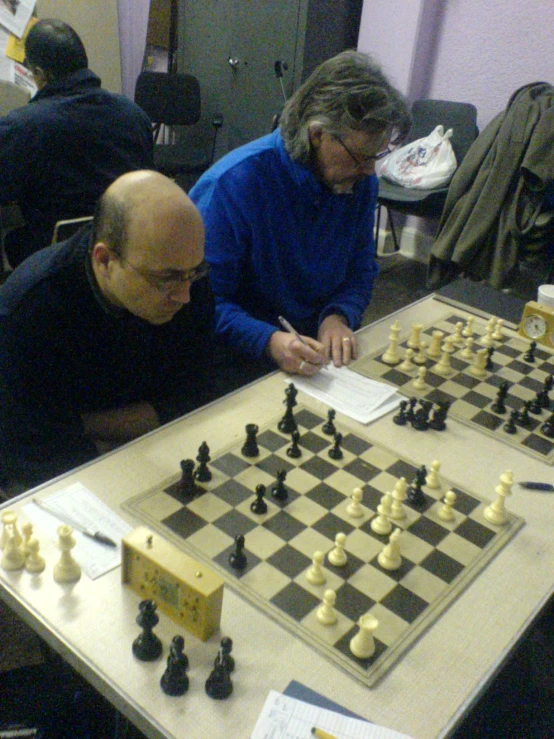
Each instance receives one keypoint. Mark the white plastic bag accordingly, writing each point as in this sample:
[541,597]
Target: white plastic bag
[423,164]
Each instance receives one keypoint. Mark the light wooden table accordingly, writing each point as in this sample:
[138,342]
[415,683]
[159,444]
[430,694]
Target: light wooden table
[92,624]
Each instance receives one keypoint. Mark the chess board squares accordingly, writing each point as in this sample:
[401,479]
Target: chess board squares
[312,442]
[325,496]
[517,367]
[427,530]
[290,561]
[404,603]
[362,545]
[272,464]
[345,482]
[305,510]
[488,421]
[424,584]
[272,441]
[265,580]
[209,541]
[319,467]
[533,382]
[210,507]
[379,457]
[263,543]
[341,512]
[353,444]
[442,565]
[230,464]
[538,444]
[295,601]
[399,468]
[283,525]
[307,419]
[459,549]
[343,646]
[159,505]
[222,559]
[327,634]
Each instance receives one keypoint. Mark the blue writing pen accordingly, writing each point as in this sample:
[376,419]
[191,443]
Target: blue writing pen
[544,487]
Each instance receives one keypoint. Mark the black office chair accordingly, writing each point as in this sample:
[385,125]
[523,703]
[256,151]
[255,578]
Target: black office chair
[173,100]
[426,115]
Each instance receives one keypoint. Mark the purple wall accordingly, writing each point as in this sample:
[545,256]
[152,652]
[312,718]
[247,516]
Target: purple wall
[478,51]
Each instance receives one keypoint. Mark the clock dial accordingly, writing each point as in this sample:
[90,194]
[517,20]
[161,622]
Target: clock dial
[534,326]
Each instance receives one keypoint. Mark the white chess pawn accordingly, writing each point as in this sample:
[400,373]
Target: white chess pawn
[391,355]
[497,334]
[12,557]
[477,369]
[445,512]
[432,479]
[355,508]
[467,351]
[362,644]
[496,511]
[407,365]
[487,339]
[337,556]
[34,562]
[457,337]
[399,494]
[315,575]
[414,340]
[326,613]
[468,330]
[381,523]
[419,383]
[421,357]
[27,531]
[389,558]
[434,350]
[66,569]
[443,366]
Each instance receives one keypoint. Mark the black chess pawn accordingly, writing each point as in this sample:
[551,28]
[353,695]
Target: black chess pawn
[543,398]
[529,356]
[336,452]
[489,366]
[523,417]
[294,451]
[410,413]
[237,558]
[279,490]
[401,418]
[259,506]
[147,647]
[219,685]
[438,421]
[547,427]
[250,447]
[288,423]
[535,406]
[510,425]
[175,681]
[226,647]
[329,427]
[203,473]
[415,492]
[187,487]
[499,406]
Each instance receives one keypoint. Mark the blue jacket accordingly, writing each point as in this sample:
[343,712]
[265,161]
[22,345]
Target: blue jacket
[64,351]
[61,151]
[279,242]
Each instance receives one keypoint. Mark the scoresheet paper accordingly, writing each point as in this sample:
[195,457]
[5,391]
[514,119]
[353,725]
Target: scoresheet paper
[287,718]
[356,396]
[82,506]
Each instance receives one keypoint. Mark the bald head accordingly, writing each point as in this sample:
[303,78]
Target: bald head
[139,200]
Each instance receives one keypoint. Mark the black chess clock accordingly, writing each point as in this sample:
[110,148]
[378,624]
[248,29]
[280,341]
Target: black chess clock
[537,323]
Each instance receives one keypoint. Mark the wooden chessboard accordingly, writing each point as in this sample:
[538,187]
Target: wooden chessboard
[440,558]
[471,398]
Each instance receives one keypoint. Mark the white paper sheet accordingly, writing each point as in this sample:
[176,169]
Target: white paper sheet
[82,506]
[346,391]
[15,14]
[287,718]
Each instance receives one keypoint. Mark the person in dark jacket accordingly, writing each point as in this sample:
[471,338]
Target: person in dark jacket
[61,151]
[106,336]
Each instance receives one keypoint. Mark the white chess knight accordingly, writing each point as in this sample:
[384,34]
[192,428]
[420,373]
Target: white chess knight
[389,558]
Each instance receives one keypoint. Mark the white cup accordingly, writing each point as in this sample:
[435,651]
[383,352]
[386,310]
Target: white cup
[546,295]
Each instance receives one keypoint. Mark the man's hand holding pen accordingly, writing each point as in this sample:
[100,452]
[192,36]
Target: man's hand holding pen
[299,355]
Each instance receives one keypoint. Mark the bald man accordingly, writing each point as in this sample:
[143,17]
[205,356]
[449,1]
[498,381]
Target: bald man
[105,336]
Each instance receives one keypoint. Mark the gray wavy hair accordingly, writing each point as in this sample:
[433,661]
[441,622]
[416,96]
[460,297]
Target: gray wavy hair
[347,92]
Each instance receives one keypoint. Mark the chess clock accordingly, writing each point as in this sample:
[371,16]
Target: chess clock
[537,323]
[187,591]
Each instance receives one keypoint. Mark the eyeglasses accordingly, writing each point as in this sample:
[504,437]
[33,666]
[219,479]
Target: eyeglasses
[366,160]
[168,284]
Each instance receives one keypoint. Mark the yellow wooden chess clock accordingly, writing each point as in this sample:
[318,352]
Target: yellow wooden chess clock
[187,591]
[537,323]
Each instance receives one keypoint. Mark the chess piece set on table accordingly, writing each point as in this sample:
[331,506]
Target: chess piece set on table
[174,681]
[21,550]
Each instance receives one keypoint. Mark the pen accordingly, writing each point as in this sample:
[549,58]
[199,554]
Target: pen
[320,734]
[287,326]
[544,487]
[96,535]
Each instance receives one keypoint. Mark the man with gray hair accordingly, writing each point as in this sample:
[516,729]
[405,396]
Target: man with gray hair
[289,220]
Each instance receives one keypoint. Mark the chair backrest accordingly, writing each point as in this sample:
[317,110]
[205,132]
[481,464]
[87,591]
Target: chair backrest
[66,228]
[461,117]
[171,99]
[12,97]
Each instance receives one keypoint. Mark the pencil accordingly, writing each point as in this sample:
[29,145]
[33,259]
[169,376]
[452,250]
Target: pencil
[320,734]
[288,327]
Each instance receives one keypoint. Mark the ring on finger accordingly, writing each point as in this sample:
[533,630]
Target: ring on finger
[345,338]
[302,363]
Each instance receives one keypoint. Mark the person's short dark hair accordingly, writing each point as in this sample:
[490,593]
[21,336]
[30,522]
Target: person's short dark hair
[56,48]
[347,92]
